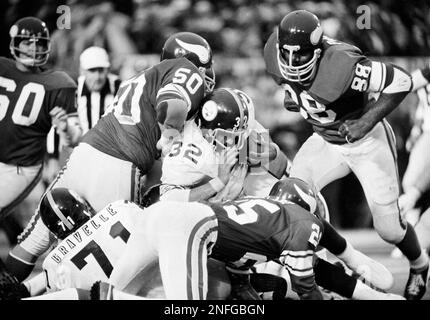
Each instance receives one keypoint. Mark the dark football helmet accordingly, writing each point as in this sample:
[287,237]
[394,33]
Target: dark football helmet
[224,117]
[63,211]
[196,49]
[150,196]
[299,45]
[297,191]
[34,31]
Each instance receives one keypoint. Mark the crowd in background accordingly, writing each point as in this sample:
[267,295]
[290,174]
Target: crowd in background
[133,32]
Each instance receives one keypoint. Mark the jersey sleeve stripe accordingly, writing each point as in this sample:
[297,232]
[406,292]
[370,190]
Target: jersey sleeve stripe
[377,77]
[298,253]
[384,75]
[176,90]
[203,283]
[204,223]
[299,273]
[300,265]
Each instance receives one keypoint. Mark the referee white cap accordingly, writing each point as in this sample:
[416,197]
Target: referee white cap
[94,57]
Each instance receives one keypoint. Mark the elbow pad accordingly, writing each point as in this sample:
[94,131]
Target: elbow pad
[389,79]
[172,113]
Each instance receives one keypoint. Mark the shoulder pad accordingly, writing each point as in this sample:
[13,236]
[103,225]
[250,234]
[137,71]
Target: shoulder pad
[5,62]
[178,63]
[60,80]
[335,70]
[270,58]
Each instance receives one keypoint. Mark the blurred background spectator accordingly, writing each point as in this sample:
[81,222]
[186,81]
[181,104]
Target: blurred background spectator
[133,32]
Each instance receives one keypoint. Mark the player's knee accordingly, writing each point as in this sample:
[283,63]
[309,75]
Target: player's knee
[383,199]
[390,227]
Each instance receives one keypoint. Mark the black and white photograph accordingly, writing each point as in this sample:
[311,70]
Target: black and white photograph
[172,150]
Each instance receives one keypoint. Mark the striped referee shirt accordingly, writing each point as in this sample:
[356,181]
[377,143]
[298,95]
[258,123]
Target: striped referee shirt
[92,105]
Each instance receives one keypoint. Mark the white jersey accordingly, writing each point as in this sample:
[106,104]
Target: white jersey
[423,110]
[191,161]
[89,254]
[259,181]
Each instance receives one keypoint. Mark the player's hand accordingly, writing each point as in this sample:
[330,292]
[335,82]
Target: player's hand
[50,170]
[353,130]
[237,181]
[260,148]
[168,137]
[228,158]
[408,200]
[59,118]
[234,186]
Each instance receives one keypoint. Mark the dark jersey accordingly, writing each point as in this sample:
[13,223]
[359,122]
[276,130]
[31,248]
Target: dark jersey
[257,229]
[338,91]
[130,130]
[25,102]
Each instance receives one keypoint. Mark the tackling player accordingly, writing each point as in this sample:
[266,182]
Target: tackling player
[89,245]
[345,96]
[147,110]
[32,99]
[224,133]
[247,231]
[181,240]
[185,173]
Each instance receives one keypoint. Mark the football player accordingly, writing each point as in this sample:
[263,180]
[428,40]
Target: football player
[68,270]
[244,231]
[148,112]
[224,133]
[416,180]
[345,96]
[33,99]
[185,173]
[182,238]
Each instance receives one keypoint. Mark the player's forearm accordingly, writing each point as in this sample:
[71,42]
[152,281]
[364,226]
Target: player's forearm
[392,84]
[375,111]
[72,133]
[172,114]
[278,163]
[206,191]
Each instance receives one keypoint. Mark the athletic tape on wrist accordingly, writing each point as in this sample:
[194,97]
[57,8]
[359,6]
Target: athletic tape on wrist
[217,184]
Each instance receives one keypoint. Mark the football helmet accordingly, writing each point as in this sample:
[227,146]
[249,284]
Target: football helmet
[196,49]
[63,211]
[297,191]
[299,46]
[150,196]
[225,116]
[35,31]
